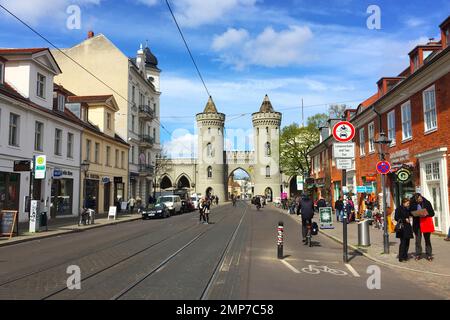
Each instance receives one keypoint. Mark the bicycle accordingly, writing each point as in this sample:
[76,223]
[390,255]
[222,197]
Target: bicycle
[313,269]
[309,234]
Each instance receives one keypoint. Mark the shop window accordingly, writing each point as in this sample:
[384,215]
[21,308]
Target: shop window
[62,194]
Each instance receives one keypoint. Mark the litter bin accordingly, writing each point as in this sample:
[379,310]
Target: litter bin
[364,233]
[43,221]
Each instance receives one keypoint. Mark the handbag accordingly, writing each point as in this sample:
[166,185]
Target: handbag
[427,225]
[399,227]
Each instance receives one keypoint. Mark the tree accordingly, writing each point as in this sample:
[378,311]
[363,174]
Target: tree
[337,111]
[295,144]
[318,120]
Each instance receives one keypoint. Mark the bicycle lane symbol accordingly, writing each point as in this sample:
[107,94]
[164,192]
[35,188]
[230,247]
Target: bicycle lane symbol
[315,270]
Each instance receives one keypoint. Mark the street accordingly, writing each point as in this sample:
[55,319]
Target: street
[232,258]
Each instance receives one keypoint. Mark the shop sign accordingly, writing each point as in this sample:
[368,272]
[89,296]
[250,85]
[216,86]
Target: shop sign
[118,180]
[106,180]
[403,175]
[300,183]
[59,173]
[399,156]
[22,165]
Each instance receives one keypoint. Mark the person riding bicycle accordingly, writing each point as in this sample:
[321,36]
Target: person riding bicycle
[233,199]
[258,203]
[307,213]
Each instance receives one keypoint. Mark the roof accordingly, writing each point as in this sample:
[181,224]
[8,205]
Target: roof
[370,101]
[445,23]
[150,58]
[90,99]
[266,106]
[21,50]
[210,106]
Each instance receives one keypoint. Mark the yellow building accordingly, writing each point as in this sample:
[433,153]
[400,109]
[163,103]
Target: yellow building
[106,180]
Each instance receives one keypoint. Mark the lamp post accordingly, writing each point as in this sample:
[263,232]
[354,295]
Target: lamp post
[84,168]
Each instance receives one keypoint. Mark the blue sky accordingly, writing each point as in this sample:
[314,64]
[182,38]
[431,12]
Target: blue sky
[318,50]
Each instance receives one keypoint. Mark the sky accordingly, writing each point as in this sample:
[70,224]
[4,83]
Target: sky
[317,50]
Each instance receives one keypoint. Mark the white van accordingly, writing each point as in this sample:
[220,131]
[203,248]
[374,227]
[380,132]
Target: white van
[172,202]
[195,198]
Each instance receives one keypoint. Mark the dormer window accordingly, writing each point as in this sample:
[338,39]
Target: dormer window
[416,64]
[40,86]
[108,121]
[61,102]
[2,72]
[447,36]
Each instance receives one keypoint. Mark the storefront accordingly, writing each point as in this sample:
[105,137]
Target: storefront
[106,184]
[92,185]
[119,189]
[402,180]
[9,191]
[61,193]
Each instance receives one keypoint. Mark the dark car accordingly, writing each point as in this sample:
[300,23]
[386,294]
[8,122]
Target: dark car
[187,206]
[158,210]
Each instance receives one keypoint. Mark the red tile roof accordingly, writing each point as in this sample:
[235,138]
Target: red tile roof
[21,50]
[370,101]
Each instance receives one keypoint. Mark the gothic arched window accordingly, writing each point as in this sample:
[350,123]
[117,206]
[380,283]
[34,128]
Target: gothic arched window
[268,149]
[268,172]
[210,172]
[209,150]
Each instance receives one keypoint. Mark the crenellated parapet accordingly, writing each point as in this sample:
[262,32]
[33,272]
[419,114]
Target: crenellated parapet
[240,157]
[210,119]
[266,119]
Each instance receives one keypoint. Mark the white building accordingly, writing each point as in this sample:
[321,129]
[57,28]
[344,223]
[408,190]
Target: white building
[35,122]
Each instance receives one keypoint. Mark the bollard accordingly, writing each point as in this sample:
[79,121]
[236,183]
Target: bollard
[280,239]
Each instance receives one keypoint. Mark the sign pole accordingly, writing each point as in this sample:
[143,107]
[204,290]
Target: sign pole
[344,225]
[386,233]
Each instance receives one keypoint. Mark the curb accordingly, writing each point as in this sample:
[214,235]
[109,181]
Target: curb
[368,256]
[45,236]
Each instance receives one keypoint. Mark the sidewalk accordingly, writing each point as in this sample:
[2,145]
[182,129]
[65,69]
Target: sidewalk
[58,227]
[441,249]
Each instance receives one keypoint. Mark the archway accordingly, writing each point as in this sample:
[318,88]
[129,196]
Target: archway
[240,184]
[183,183]
[269,194]
[165,183]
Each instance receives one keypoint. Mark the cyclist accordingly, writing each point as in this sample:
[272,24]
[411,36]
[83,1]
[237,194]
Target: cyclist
[307,213]
[233,199]
[258,203]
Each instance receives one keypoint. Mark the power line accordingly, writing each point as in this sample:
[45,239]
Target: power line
[76,62]
[187,47]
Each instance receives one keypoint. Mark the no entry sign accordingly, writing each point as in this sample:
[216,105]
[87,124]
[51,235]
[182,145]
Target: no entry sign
[383,167]
[344,131]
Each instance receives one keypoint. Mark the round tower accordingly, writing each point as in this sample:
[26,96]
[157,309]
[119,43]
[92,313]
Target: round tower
[211,162]
[266,133]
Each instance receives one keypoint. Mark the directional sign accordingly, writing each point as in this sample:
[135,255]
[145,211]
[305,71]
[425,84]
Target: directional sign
[344,164]
[344,131]
[344,150]
[383,167]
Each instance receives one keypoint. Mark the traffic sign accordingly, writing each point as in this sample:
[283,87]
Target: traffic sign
[344,131]
[40,166]
[344,164]
[344,150]
[383,167]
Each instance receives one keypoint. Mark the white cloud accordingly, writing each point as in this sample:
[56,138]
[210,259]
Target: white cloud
[40,9]
[414,22]
[182,145]
[149,3]
[194,13]
[270,48]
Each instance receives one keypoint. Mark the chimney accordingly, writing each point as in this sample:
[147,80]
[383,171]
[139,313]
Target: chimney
[90,34]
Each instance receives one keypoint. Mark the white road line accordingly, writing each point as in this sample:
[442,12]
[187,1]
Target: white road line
[352,270]
[313,261]
[287,264]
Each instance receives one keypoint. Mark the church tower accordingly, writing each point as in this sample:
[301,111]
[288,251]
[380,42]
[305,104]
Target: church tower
[211,162]
[266,133]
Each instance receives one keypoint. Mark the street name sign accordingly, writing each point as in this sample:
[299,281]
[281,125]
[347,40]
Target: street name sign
[344,150]
[344,131]
[344,164]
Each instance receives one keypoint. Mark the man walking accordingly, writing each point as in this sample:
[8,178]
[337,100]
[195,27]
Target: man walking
[131,204]
[339,207]
[420,203]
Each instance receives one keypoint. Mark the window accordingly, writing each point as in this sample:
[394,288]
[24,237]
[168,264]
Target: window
[433,171]
[406,121]
[108,156]
[61,102]
[362,142]
[268,149]
[371,137]
[108,120]
[58,141]
[429,108]
[97,152]
[117,159]
[2,72]
[40,89]
[14,122]
[88,150]
[38,135]
[209,131]
[84,114]
[209,152]
[133,93]
[391,126]
[132,122]
[154,133]
[70,145]
[209,172]
[267,130]
[268,172]
[123,160]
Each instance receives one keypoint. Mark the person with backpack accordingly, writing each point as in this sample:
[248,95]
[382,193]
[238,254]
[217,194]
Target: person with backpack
[339,207]
[307,213]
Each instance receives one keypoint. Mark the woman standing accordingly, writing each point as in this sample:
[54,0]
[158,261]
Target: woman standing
[403,229]
[420,203]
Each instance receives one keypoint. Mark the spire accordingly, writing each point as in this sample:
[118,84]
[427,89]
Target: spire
[210,106]
[266,106]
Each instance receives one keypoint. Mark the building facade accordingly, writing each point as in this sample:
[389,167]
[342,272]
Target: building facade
[34,121]
[210,172]
[135,85]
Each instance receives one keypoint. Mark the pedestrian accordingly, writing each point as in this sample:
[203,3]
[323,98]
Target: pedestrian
[420,203]
[307,213]
[448,236]
[403,229]
[201,210]
[339,207]
[131,203]
[321,203]
[217,200]
[206,211]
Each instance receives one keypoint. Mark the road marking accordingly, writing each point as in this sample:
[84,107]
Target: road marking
[314,261]
[352,270]
[287,264]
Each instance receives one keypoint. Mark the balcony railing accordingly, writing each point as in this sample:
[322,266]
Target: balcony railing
[146,169]
[146,140]
[146,111]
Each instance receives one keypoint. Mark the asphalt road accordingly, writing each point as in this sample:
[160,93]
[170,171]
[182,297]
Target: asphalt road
[234,257]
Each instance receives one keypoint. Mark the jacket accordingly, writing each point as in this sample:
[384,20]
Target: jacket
[401,214]
[425,205]
[307,208]
[321,203]
[339,205]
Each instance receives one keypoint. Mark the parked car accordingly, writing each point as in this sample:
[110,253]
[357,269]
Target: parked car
[173,203]
[187,206]
[195,200]
[158,210]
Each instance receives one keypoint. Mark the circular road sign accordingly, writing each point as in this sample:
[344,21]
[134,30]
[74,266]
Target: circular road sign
[344,131]
[383,167]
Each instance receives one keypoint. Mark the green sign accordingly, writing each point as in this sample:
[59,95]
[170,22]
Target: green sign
[403,175]
[326,218]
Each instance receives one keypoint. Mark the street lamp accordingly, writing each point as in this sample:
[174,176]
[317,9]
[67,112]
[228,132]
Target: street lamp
[84,168]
